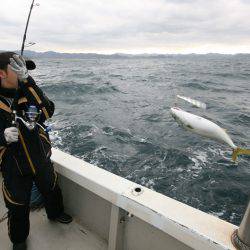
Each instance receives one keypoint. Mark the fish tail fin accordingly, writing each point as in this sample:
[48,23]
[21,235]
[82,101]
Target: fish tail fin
[239,151]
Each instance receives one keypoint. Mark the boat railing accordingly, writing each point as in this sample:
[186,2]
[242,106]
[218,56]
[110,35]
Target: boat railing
[241,236]
[192,227]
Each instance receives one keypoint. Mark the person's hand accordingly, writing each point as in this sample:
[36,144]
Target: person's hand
[11,134]
[18,65]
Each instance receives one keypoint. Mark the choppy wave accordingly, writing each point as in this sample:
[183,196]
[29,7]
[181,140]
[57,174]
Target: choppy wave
[115,114]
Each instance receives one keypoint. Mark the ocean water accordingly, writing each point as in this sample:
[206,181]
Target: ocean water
[114,113]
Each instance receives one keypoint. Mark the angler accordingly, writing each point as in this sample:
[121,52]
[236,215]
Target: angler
[25,148]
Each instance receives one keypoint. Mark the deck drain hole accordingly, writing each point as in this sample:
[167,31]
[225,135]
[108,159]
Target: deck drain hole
[138,190]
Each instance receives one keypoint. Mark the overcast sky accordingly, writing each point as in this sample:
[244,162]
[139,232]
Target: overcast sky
[129,26]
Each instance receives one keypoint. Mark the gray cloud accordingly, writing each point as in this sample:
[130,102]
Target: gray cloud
[165,26]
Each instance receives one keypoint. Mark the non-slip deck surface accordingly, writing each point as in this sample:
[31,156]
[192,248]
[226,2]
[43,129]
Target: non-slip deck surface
[50,235]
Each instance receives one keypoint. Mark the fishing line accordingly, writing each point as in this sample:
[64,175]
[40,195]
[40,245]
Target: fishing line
[174,92]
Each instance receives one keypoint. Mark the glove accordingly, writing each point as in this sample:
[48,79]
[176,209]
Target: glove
[18,65]
[11,134]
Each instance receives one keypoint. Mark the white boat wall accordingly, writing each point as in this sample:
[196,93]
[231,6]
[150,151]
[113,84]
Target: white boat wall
[127,216]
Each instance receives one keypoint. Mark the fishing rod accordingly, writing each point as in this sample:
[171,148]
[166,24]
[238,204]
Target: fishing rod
[26,28]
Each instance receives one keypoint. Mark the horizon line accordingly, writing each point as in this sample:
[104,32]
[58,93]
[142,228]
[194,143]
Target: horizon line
[142,53]
[134,54]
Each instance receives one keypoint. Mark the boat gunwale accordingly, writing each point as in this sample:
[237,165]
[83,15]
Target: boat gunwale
[191,226]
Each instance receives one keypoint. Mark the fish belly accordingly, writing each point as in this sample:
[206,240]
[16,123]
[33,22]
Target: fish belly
[206,128]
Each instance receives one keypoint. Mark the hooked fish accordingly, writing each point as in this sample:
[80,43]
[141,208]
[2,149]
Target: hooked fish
[196,103]
[206,128]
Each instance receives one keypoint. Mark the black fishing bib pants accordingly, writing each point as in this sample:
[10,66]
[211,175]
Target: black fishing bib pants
[26,161]
[17,190]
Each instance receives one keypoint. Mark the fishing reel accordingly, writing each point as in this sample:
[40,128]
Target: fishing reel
[30,119]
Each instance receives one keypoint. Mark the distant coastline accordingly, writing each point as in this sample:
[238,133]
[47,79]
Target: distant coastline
[53,54]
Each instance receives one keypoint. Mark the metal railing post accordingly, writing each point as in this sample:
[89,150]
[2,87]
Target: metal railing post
[241,236]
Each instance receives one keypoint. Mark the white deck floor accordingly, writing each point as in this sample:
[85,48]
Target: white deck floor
[49,235]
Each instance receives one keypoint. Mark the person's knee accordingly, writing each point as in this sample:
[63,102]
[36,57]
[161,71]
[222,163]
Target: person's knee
[49,185]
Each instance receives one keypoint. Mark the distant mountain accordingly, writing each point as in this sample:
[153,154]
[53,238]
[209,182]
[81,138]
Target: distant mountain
[53,54]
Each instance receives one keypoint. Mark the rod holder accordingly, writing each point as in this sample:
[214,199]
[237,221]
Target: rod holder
[241,236]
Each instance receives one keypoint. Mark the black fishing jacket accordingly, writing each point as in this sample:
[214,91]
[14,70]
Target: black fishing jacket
[33,148]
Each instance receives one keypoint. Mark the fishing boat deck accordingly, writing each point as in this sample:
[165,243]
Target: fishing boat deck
[51,235]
